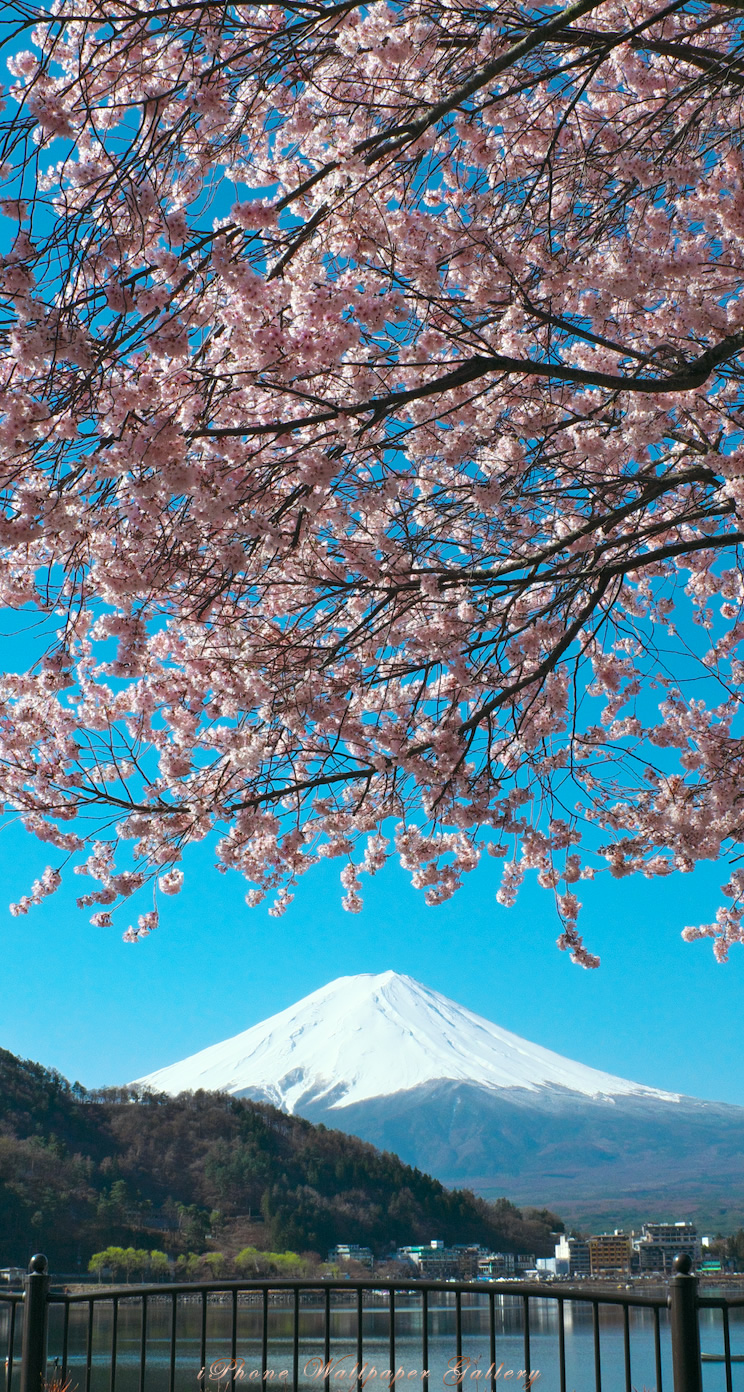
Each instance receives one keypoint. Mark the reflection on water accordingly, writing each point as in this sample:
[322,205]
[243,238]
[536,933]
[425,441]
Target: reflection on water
[507,1344]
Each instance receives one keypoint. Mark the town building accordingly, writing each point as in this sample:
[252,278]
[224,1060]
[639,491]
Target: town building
[436,1262]
[469,1257]
[433,1260]
[496,1266]
[571,1256]
[350,1252]
[660,1243]
[609,1253]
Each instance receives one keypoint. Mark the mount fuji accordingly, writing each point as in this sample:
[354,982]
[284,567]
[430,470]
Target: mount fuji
[398,1064]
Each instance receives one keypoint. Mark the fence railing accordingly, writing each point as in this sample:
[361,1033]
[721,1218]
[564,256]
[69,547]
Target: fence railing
[360,1334]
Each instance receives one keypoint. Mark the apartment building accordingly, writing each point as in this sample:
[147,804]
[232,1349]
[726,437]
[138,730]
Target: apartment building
[432,1260]
[609,1253]
[660,1243]
[571,1256]
[496,1266]
[463,1262]
[350,1252]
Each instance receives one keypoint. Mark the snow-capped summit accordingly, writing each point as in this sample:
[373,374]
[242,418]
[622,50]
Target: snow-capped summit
[387,1059]
[371,1036]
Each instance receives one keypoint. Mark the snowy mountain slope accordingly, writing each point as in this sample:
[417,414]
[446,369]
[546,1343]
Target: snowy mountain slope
[388,1060]
[365,1037]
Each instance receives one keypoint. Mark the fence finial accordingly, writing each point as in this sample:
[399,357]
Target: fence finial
[34,1346]
[685,1328]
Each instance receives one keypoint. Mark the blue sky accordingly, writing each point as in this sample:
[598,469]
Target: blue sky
[658,1010]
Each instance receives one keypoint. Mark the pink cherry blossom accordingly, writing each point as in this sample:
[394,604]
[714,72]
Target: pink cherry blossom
[371,440]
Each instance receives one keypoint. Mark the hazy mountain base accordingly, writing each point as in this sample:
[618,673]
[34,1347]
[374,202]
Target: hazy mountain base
[602,1162]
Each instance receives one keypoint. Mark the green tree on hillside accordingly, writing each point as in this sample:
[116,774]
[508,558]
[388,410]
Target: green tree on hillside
[100,1262]
[123,1261]
[159,1265]
[250,1262]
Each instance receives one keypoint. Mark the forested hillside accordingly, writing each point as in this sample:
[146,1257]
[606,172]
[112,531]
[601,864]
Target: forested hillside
[80,1170]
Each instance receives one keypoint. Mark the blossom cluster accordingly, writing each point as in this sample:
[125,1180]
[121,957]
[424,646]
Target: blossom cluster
[370,430]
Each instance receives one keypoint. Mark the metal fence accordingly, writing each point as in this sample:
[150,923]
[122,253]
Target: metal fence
[57,1340]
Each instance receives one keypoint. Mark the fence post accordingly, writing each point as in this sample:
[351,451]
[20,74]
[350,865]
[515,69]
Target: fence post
[34,1346]
[687,1367]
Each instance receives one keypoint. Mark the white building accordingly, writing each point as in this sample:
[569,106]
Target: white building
[571,1256]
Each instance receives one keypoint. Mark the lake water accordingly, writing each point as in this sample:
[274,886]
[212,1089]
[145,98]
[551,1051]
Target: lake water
[476,1346]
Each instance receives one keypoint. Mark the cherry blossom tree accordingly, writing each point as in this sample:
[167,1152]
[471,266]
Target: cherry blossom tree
[371,441]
